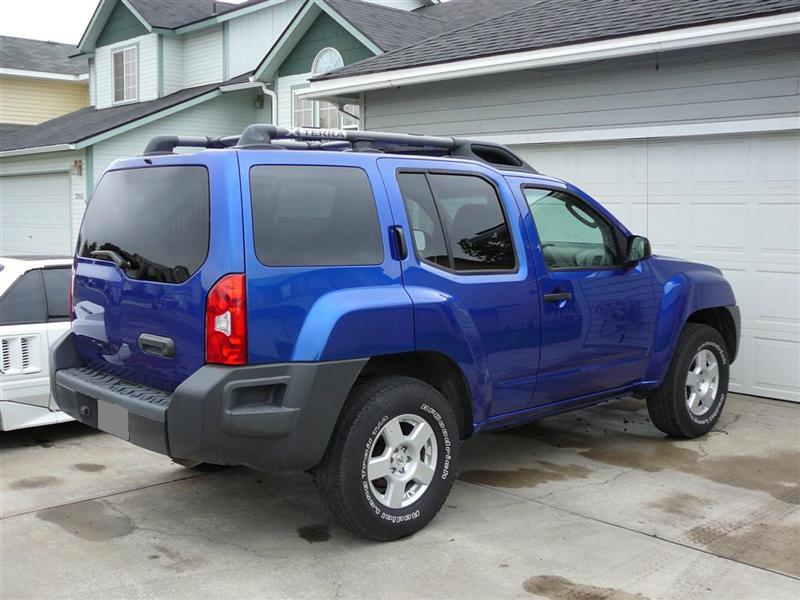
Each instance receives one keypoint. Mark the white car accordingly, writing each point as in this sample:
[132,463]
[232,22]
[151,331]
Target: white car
[34,313]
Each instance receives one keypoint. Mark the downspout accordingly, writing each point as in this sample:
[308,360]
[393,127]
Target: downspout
[264,89]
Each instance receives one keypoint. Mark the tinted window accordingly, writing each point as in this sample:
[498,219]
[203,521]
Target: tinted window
[426,227]
[314,216]
[571,233]
[155,219]
[477,234]
[24,301]
[56,291]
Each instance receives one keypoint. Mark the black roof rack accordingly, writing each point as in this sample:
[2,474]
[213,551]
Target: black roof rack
[352,140]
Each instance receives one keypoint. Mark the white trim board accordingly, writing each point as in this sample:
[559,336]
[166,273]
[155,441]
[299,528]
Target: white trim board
[662,41]
[646,132]
[45,75]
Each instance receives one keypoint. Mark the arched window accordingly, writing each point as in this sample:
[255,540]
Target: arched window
[314,113]
[326,60]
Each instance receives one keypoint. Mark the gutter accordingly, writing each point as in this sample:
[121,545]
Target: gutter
[37,150]
[663,41]
[247,85]
[44,75]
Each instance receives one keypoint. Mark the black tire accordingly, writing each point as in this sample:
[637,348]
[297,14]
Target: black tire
[667,405]
[341,477]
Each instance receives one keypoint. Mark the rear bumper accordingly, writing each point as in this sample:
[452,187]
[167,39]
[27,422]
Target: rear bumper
[277,416]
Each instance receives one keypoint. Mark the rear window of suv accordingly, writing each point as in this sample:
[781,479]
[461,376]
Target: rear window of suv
[155,219]
[314,216]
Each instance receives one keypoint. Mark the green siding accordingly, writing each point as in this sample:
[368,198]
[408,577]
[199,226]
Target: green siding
[121,25]
[323,32]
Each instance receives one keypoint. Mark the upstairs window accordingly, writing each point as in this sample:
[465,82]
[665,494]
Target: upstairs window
[126,74]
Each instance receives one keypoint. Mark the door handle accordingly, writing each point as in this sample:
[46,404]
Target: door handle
[557,296]
[400,242]
[155,345]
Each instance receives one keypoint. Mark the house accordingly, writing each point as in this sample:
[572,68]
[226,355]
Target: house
[682,117]
[39,81]
[184,67]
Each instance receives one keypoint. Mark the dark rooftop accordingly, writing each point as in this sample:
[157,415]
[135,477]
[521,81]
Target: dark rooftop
[41,56]
[541,24]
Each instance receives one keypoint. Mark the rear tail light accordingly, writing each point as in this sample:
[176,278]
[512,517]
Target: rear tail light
[226,322]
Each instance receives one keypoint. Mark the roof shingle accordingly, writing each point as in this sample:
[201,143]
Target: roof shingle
[548,23]
[40,56]
[390,28]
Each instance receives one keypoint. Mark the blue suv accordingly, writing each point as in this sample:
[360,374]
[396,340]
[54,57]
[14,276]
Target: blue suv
[354,304]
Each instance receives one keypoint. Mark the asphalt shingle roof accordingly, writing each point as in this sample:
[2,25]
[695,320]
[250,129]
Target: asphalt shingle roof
[389,28]
[170,14]
[89,122]
[40,56]
[548,23]
[457,13]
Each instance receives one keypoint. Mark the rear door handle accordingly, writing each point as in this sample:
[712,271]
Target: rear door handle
[557,296]
[400,242]
[155,345]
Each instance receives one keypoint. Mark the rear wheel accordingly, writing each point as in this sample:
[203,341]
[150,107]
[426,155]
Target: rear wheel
[392,458]
[690,399]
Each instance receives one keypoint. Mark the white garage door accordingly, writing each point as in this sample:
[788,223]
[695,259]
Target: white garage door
[34,215]
[731,201]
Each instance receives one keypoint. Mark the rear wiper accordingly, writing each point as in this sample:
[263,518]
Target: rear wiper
[112,256]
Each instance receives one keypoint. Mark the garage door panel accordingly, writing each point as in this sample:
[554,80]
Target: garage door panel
[730,201]
[34,215]
[777,299]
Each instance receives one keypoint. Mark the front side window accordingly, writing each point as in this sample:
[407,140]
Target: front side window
[571,233]
[125,74]
[457,221]
[314,216]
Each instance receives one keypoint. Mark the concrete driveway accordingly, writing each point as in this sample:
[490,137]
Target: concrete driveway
[594,504]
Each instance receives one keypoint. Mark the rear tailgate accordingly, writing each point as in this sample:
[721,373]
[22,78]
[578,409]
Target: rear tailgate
[155,238]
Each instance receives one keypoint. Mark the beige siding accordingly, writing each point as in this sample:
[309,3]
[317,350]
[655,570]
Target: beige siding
[30,101]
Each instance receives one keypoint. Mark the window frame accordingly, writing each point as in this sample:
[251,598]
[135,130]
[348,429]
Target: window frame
[445,234]
[619,237]
[122,50]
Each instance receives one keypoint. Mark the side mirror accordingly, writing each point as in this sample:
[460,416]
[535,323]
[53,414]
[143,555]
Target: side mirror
[638,249]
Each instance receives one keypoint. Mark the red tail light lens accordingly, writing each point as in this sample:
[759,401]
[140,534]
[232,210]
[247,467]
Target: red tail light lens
[226,322]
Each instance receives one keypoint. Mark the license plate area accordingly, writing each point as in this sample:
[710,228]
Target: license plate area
[113,419]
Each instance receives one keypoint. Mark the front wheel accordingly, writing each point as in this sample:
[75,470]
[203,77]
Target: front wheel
[690,399]
[391,460]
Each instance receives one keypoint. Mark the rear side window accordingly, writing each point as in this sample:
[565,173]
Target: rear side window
[24,301]
[314,216]
[457,222]
[156,219]
[56,291]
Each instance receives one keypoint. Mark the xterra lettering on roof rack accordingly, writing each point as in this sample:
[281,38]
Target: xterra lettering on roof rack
[348,140]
